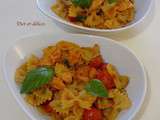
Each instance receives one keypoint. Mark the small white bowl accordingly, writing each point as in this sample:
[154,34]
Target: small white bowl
[142,9]
[113,52]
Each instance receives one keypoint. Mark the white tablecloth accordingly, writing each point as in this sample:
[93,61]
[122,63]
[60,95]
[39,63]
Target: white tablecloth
[144,40]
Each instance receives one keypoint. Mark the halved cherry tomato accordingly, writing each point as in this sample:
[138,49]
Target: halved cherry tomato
[103,66]
[96,62]
[72,19]
[92,114]
[106,79]
[47,108]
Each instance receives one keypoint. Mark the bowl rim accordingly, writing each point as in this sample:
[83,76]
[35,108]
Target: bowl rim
[134,113]
[128,26]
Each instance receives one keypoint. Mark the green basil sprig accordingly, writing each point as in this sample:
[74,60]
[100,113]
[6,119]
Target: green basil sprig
[112,1]
[96,88]
[36,78]
[82,3]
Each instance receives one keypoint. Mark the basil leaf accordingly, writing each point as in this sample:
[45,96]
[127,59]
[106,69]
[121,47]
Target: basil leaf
[36,78]
[82,3]
[96,88]
[112,1]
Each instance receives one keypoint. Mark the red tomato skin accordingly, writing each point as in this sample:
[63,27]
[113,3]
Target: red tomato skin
[96,62]
[72,19]
[92,114]
[47,108]
[103,66]
[106,78]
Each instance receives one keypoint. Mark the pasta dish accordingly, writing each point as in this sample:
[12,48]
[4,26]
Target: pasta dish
[71,82]
[102,14]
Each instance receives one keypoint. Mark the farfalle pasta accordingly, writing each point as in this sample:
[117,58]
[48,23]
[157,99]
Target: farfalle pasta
[39,96]
[31,63]
[102,14]
[70,82]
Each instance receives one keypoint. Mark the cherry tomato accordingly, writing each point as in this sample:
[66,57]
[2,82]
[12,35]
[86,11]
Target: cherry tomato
[92,114]
[72,19]
[47,108]
[106,79]
[103,66]
[96,62]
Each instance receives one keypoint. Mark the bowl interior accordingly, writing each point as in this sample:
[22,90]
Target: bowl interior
[126,62]
[142,7]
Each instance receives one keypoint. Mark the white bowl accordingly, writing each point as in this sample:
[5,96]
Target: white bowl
[142,9]
[119,55]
